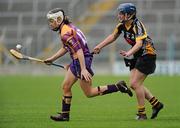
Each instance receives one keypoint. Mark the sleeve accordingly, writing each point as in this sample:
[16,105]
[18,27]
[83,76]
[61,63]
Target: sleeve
[71,40]
[140,31]
[118,29]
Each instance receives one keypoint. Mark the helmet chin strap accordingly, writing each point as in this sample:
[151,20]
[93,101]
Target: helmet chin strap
[131,16]
[57,28]
[127,18]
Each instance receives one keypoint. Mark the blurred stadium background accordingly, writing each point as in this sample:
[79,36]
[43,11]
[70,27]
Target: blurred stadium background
[24,22]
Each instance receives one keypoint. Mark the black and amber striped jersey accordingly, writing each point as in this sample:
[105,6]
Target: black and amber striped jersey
[134,32]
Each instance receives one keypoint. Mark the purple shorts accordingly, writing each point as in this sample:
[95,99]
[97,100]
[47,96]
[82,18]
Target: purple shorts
[76,69]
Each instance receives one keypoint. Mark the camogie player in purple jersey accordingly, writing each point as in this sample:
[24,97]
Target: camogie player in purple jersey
[74,42]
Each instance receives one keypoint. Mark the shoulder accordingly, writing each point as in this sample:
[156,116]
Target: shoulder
[66,30]
[138,23]
[119,25]
[118,28]
[139,30]
[139,26]
[67,33]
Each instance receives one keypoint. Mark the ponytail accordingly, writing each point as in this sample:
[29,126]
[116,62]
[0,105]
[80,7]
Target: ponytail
[66,20]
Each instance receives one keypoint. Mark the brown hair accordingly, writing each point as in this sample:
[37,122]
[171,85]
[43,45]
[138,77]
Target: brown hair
[66,19]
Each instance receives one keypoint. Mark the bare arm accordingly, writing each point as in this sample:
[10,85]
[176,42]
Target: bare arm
[62,51]
[84,72]
[111,38]
[80,56]
[107,41]
[133,50]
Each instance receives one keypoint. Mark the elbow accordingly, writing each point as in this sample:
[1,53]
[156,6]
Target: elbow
[113,38]
[140,45]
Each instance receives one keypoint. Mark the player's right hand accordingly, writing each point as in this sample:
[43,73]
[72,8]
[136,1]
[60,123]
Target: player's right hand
[96,50]
[48,61]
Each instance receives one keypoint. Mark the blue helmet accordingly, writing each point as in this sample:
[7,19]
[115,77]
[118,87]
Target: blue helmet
[127,8]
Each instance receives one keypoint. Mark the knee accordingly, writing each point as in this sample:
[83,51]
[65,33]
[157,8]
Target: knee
[134,84]
[89,94]
[66,87]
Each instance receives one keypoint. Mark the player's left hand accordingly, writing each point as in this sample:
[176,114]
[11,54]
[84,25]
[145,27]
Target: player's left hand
[86,75]
[124,53]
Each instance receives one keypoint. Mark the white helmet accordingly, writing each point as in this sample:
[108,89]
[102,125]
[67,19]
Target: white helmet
[56,14]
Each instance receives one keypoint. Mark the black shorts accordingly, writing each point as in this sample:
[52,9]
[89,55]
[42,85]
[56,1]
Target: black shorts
[145,64]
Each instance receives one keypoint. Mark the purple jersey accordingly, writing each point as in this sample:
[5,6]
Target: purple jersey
[73,40]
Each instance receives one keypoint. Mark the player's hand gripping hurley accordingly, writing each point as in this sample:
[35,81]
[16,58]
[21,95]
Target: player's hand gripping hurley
[19,55]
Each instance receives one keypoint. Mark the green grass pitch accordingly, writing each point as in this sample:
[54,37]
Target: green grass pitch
[28,101]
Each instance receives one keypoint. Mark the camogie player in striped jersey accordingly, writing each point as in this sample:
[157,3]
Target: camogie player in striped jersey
[74,42]
[144,56]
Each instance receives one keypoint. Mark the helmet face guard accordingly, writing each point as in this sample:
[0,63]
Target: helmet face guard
[127,9]
[57,15]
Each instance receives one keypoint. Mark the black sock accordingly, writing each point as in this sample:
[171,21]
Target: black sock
[110,89]
[66,104]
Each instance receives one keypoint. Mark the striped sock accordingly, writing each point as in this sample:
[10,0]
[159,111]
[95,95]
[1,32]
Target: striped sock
[153,101]
[141,110]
